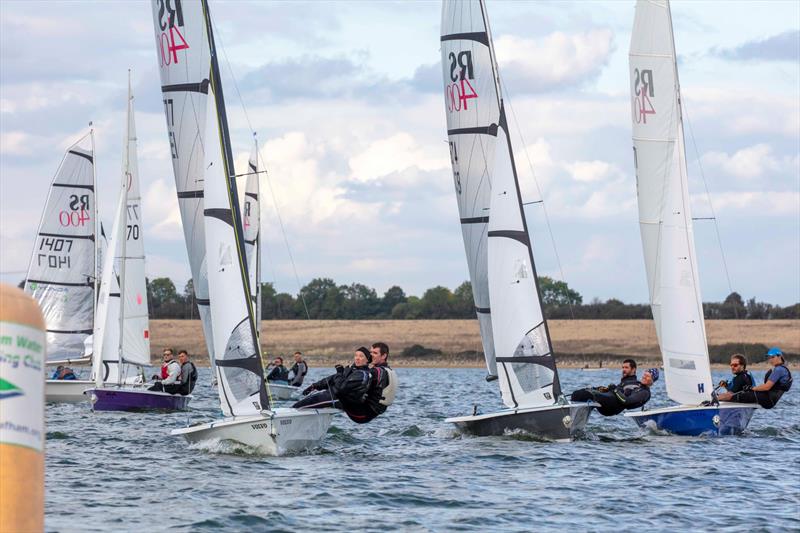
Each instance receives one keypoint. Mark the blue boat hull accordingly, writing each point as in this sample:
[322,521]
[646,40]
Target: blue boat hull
[696,421]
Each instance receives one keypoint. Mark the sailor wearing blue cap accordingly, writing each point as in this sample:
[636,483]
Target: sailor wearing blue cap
[777,381]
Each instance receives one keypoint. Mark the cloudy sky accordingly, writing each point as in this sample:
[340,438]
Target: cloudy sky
[347,101]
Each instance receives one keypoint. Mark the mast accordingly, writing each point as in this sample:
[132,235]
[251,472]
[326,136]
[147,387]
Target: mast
[96,281]
[233,197]
[126,177]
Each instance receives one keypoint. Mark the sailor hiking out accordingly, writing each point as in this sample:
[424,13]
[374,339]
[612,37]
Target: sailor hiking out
[629,394]
[357,389]
[777,381]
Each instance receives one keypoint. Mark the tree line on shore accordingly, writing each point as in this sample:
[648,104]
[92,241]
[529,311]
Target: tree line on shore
[322,298]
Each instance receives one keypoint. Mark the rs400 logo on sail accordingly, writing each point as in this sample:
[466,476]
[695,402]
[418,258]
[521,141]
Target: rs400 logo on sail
[643,91]
[459,92]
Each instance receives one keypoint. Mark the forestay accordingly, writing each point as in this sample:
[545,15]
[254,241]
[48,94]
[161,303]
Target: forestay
[472,116]
[251,220]
[62,272]
[493,222]
[240,373]
[665,217]
[184,64]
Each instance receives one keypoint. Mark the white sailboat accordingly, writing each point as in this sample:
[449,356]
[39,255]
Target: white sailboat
[121,330]
[665,221]
[189,67]
[62,274]
[514,332]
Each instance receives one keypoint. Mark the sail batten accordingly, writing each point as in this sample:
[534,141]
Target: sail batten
[664,209]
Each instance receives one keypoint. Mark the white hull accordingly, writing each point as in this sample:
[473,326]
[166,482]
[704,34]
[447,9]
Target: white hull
[66,391]
[282,392]
[275,432]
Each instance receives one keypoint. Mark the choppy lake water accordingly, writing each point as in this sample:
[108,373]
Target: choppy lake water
[408,470]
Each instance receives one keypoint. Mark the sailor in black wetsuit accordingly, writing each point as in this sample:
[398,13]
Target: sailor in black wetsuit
[629,394]
[742,379]
[348,389]
[777,381]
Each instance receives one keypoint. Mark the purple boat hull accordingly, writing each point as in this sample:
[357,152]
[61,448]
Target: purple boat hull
[119,399]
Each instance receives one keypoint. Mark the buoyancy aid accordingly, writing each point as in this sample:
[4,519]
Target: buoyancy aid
[781,386]
[389,391]
[165,370]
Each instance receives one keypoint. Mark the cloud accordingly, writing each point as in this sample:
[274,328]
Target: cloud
[394,154]
[782,47]
[751,163]
[589,171]
[755,203]
[557,61]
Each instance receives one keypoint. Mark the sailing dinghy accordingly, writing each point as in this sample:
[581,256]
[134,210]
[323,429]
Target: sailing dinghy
[189,68]
[121,329]
[665,221]
[62,274]
[514,333]
[251,227]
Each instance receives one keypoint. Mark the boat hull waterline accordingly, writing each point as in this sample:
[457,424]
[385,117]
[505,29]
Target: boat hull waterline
[561,422]
[695,421]
[275,432]
[117,399]
[66,390]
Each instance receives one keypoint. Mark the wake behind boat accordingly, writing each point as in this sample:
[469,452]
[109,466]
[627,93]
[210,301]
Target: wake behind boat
[215,240]
[516,341]
[665,221]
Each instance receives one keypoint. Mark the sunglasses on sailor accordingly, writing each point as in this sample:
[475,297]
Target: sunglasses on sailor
[734,365]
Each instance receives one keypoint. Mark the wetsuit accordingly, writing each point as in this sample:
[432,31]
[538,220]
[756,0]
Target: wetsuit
[741,381]
[767,398]
[278,373]
[351,389]
[377,398]
[629,394]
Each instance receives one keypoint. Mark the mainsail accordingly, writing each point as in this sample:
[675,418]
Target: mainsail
[122,326]
[493,223]
[63,269]
[185,63]
[665,217]
[209,201]
[251,219]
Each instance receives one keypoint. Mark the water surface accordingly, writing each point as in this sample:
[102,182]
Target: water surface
[409,470]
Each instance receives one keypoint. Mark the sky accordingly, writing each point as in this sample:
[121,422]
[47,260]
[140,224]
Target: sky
[347,102]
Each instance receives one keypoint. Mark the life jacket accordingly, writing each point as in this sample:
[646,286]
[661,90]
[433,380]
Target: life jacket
[388,392]
[784,386]
[629,384]
[352,384]
[753,382]
[164,370]
[188,386]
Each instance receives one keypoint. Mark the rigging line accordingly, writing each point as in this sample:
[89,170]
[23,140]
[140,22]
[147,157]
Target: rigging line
[539,190]
[266,173]
[710,204]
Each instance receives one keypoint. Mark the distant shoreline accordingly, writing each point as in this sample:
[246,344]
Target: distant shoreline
[576,343]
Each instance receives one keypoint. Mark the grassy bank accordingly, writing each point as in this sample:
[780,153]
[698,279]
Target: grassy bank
[577,342]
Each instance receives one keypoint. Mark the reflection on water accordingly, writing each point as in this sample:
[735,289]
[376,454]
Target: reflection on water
[409,470]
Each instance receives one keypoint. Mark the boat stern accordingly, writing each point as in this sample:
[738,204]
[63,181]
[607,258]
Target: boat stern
[694,421]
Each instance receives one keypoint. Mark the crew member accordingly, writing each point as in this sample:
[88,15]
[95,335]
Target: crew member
[64,372]
[278,372]
[170,375]
[348,389]
[384,377]
[629,394]
[298,371]
[777,381]
[742,379]
[188,377]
